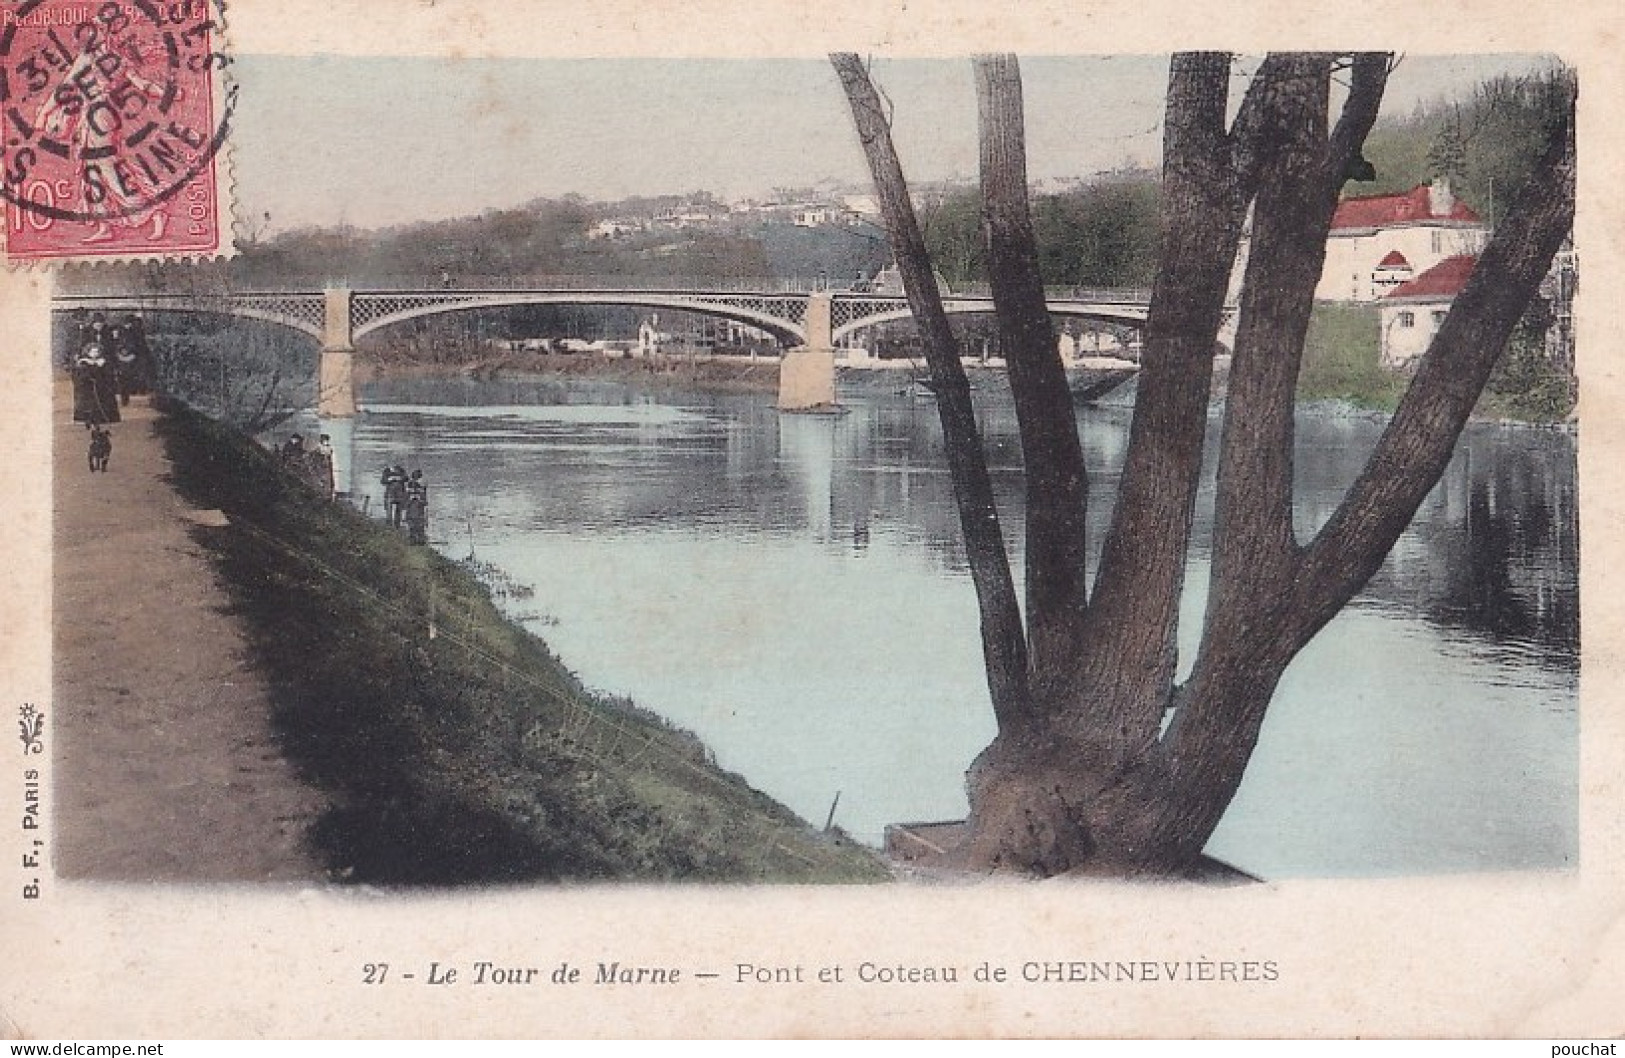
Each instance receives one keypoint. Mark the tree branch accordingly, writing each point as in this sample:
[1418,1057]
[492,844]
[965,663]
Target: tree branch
[1415,448]
[1255,553]
[1128,655]
[1249,132]
[1057,481]
[1003,644]
[1368,82]
[1253,543]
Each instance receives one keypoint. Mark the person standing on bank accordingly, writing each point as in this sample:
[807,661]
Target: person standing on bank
[324,467]
[394,482]
[417,509]
[417,519]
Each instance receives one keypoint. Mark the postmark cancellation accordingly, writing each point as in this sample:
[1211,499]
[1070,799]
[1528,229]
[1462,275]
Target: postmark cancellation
[115,116]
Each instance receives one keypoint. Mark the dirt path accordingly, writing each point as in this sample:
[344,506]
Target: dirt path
[166,765]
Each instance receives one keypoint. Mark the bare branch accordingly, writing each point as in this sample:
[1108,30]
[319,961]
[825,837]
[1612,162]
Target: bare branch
[1366,87]
[1003,643]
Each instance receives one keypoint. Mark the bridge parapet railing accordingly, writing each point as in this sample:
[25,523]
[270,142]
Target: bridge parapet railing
[1102,295]
[679,284]
[215,285]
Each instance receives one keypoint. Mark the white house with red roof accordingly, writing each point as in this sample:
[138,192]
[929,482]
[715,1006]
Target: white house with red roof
[1379,242]
[1410,314]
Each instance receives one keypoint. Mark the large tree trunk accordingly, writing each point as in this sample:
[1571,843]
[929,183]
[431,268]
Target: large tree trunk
[1108,766]
[1074,788]
[1267,605]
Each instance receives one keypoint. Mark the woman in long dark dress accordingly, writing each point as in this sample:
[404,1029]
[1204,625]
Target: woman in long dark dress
[95,388]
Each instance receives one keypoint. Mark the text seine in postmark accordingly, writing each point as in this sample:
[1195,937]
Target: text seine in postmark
[113,121]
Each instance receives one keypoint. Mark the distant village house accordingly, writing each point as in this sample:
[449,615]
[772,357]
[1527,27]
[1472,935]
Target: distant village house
[1410,315]
[1381,242]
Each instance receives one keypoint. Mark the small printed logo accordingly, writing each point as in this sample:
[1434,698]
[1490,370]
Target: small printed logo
[32,722]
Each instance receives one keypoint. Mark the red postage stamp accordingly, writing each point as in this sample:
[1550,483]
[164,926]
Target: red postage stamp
[114,119]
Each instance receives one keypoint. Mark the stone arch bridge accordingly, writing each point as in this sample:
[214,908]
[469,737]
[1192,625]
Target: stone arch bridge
[808,324]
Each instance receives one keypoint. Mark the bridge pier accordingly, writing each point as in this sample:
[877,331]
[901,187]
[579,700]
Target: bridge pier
[335,381]
[807,373]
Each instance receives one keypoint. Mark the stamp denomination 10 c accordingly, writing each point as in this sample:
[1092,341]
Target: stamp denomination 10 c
[114,119]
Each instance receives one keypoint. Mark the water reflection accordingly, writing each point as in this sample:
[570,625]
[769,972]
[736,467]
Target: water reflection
[793,589]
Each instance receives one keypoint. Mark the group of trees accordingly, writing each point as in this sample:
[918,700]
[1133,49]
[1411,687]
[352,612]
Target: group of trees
[1487,144]
[543,237]
[1105,761]
[1099,234]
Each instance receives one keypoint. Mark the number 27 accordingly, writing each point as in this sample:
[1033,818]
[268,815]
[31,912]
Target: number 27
[373,973]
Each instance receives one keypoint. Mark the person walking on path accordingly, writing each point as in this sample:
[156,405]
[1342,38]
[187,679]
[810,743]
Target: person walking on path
[95,396]
[122,360]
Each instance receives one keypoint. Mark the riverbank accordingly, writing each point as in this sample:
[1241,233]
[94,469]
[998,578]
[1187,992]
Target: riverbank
[1342,365]
[1341,368]
[707,373]
[718,374]
[451,745]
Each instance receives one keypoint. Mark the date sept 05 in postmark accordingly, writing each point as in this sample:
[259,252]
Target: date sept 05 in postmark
[115,117]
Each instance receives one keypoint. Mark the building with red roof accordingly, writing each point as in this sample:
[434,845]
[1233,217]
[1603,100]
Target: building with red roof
[1379,242]
[1411,314]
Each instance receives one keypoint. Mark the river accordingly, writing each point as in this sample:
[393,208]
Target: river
[792,589]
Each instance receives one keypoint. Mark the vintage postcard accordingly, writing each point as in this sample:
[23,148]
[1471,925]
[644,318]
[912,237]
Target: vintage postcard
[540,521]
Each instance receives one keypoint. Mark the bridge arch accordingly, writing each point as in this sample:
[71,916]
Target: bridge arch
[374,311]
[1123,315]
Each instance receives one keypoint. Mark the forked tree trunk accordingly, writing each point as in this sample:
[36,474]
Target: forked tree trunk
[1102,763]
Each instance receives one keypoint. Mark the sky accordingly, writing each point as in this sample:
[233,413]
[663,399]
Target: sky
[375,141]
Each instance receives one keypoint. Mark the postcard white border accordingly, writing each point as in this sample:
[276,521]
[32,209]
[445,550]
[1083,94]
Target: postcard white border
[1479,956]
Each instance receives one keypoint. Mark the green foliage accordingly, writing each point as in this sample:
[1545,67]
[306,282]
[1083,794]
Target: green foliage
[953,234]
[1488,145]
[1342,361]
[1448,155]
[453,746]
[1102,234]
[1525,384]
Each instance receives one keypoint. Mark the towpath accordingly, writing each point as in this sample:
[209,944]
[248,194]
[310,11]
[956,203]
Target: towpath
[166,764]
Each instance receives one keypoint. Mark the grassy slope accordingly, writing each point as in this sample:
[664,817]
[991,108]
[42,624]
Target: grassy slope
[454,746]
[1340,359]
[1341,362]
